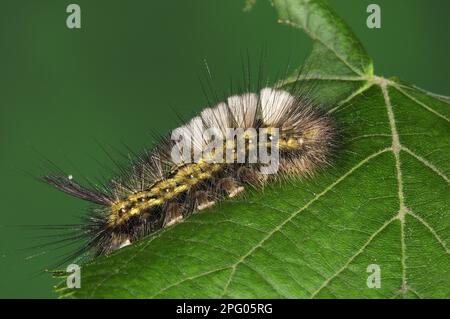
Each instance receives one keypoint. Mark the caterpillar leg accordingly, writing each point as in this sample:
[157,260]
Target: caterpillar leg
[251,176]
[203,201]
[117,242]
[174,215]
[125,243]
[230,186]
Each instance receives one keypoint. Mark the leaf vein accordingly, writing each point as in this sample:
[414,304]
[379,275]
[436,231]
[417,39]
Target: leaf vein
[431,229]
[421,104]
[349,261]
[426,163]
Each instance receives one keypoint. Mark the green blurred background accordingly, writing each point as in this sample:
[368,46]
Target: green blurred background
[131,67]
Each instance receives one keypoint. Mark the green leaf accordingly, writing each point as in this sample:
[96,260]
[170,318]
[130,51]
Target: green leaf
[385,201]
[338,60]
[333,39]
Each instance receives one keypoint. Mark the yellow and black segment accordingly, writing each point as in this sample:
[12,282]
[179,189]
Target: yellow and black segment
[184,178]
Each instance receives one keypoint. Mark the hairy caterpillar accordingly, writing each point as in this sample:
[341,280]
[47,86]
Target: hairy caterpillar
[158,191]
